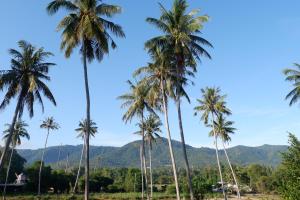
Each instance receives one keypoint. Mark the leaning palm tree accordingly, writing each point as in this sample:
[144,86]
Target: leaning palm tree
[48,124]
[87,25]
[223,128]
[211,105]
[137,102]
[82,130]
[151,126]
[293,75]
[25,81]
[159,75]
[18,132]
[181,34]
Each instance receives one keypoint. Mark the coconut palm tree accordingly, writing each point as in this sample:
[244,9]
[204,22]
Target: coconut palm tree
[25,81]
[87,26]
[151,126]
[137,102]
[211,105]
[48,124]
[159,75]
[223,129]
[181,34]
[82,130]
[18,132]
[293,75]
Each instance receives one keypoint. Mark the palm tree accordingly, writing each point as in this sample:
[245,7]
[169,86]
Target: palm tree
[18,132]
[137,102]
[25,81]
[159,75]
[293,75]
[151,126]
[223,129]
[181,35]
[87,25]
[213,105]
[82,130]
[49,124]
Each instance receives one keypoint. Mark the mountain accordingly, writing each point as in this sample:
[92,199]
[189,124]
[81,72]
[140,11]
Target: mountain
[128,155]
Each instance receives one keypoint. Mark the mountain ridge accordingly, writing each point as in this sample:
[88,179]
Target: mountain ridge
[128,155]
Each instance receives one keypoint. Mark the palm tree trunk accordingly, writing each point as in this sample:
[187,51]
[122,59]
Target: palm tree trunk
[8,141]
[144,159]
[170,141]
[150,169]
[232,171]
[7,172]
[186,162]
[217,154]
[87,142]
[142,172]
[79,167]
[41,164]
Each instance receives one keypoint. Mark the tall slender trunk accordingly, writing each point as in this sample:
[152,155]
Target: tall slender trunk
[41,164]
[142,172]
[7,172]
[150,169]
[67,163]
[180,64]
[217,154]
[183,146]
[169,140]
[87,142]
[8,140]
[144,159]
[79,167]
[232,171]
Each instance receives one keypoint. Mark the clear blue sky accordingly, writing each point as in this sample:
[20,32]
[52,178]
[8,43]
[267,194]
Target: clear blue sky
[253,41]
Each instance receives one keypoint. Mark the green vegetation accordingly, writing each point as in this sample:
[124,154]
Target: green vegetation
[175,55]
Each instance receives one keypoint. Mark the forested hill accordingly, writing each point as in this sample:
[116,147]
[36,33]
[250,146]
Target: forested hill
[128,155]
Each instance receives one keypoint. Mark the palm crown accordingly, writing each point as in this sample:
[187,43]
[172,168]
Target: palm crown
[136,100]
[25,79]
[50,124]
[223,128]
[212,103]
[86,25]
[180,34]
[18,132]
[151,128]
[82,128]
[293,75]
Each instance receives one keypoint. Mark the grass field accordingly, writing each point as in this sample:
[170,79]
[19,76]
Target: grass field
[130,196]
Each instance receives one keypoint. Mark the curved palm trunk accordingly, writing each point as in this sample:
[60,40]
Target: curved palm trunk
[150,169]
[144,160]
[180,64]
[218,161]
[170,141]
[79,167]
[8,141]
[142,172]
[186,161]
[87,138]
[41,165]
[7,172]
[232,171]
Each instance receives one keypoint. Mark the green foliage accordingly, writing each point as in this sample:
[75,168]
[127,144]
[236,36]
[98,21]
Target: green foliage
[17,166]
[201,187]
[32,173]
[98,183]
[289,172]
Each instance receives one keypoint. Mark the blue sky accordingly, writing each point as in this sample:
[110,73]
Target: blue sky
[253,42]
